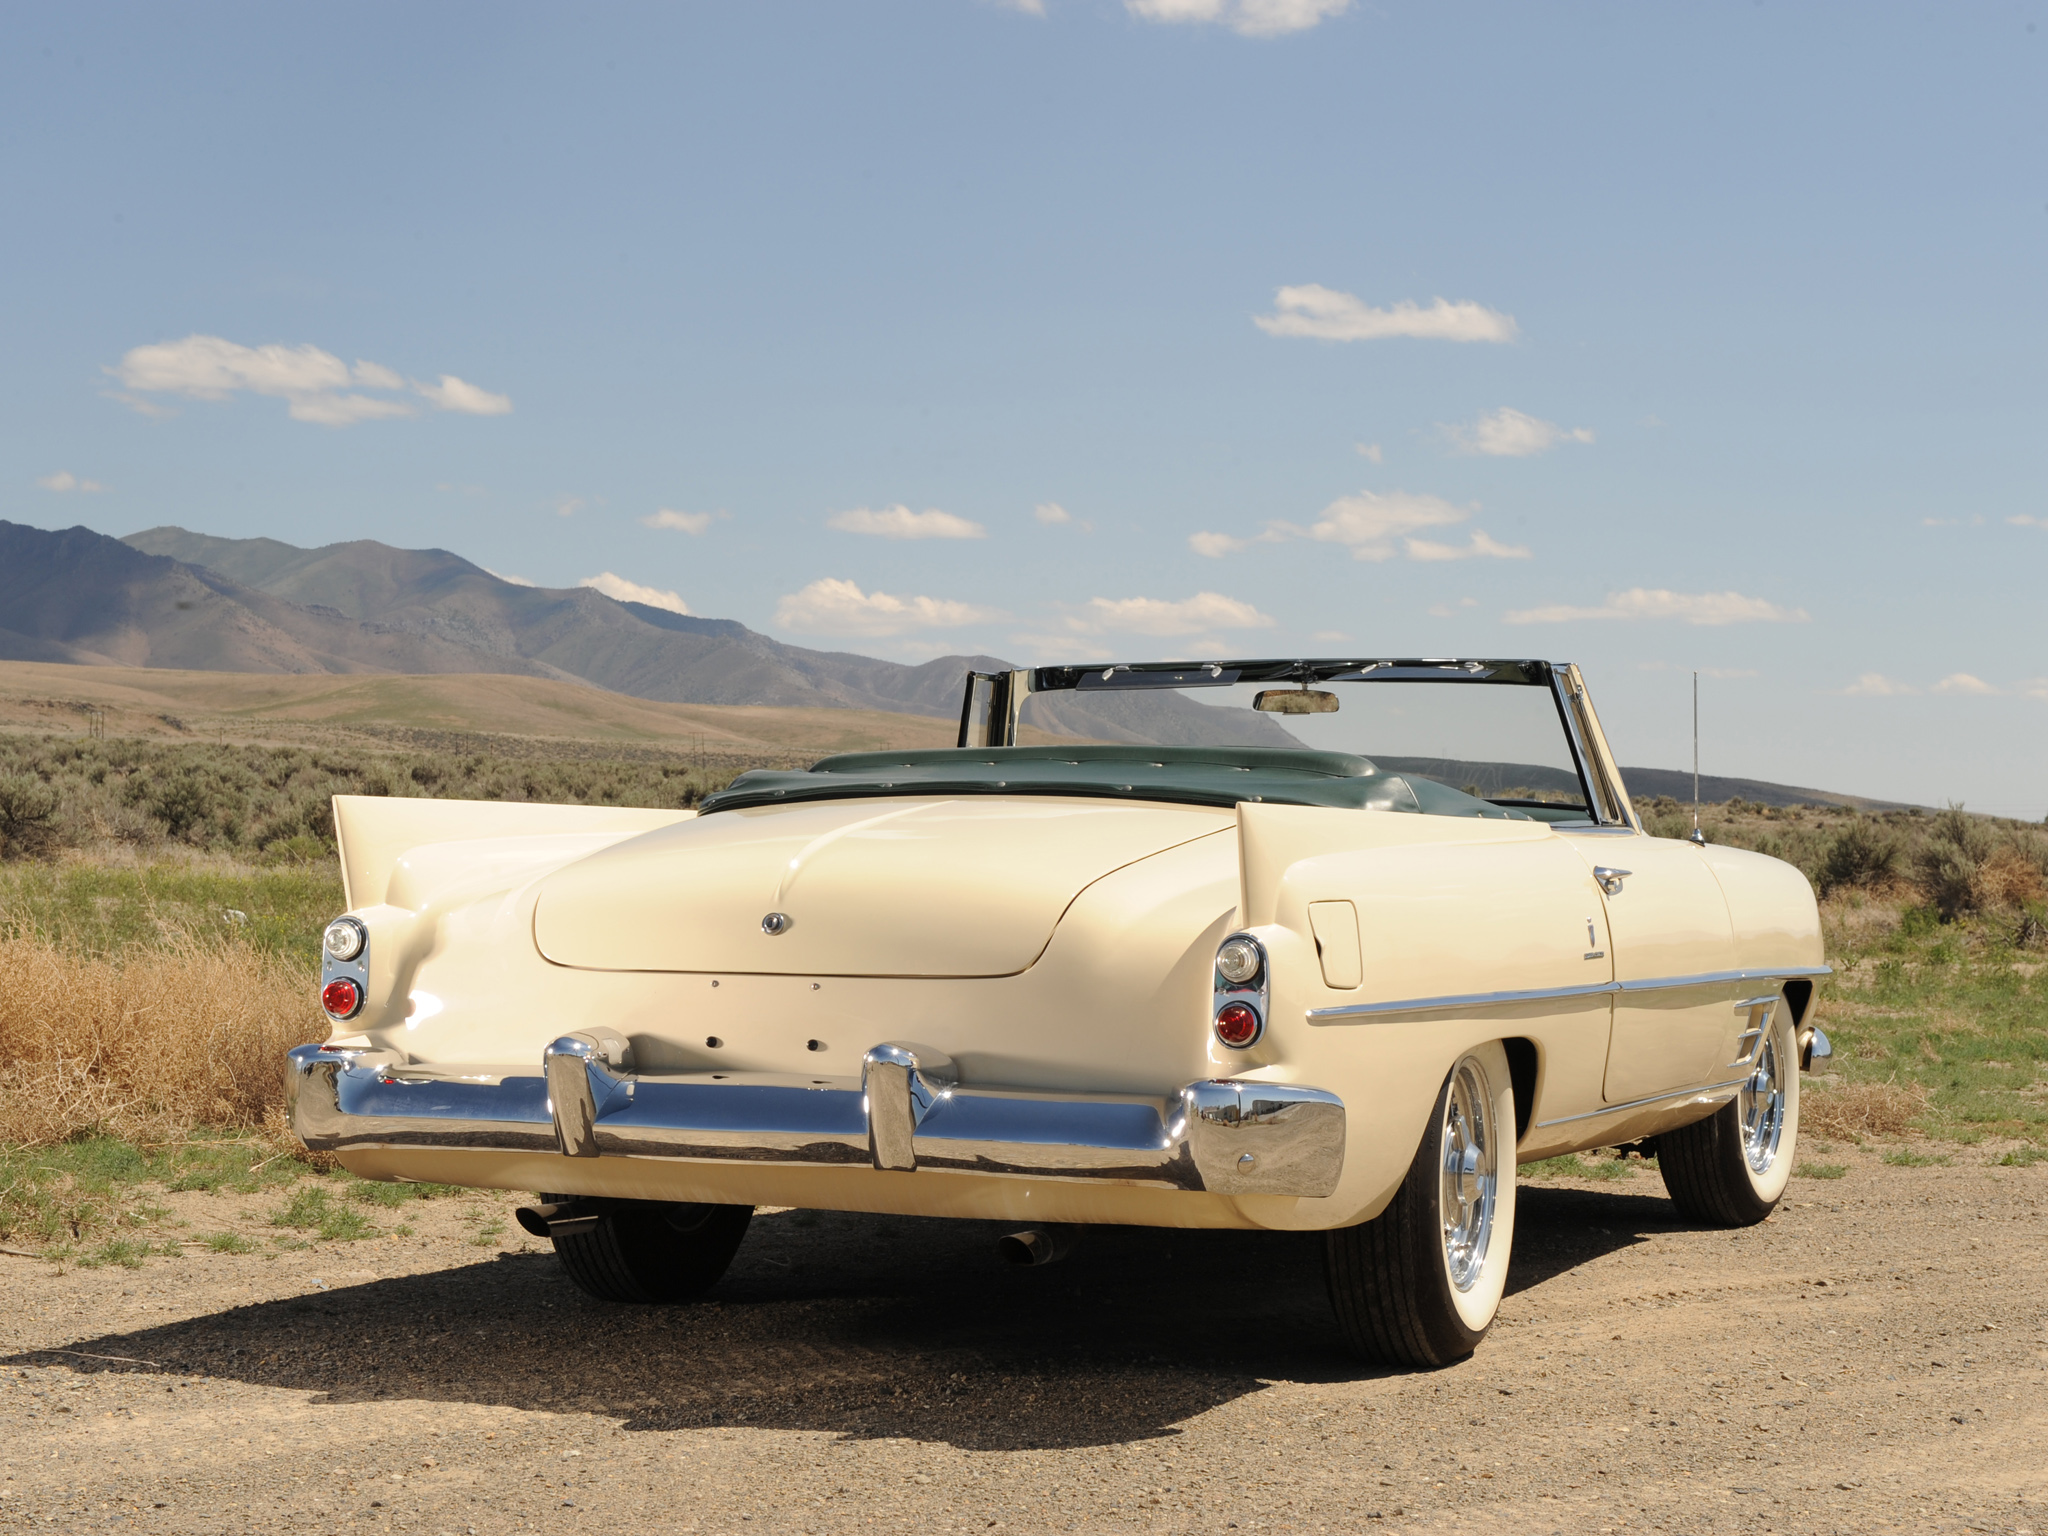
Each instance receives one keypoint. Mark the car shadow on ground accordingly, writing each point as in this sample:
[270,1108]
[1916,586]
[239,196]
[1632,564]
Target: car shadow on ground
[1559,1228]
[874,1327]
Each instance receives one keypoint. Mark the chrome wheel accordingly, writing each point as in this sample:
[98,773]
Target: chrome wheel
[1470,1175]
[1761,1103]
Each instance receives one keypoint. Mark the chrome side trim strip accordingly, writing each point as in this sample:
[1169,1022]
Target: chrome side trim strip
[1471,1000]
[1718,978]
[1656,1098]
[1458,1002]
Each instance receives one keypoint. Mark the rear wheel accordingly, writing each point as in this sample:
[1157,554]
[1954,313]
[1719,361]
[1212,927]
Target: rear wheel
[652,1250]
[1730,1169]
[1419,1284]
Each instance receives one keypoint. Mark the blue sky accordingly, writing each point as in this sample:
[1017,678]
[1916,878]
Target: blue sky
[1655,338]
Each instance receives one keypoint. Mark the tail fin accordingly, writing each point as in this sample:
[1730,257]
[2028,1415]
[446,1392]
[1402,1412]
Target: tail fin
[374,831]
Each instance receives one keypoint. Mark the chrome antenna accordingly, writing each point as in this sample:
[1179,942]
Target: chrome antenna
[1698,838]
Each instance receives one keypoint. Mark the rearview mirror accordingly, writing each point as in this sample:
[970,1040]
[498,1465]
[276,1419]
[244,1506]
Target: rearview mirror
[1295,701]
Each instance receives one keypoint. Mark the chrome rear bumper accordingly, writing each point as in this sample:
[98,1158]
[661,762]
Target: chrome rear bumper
[906,1112]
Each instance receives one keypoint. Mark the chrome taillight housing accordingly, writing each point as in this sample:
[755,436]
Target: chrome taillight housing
[1242,992]
[345,938]
[344,968]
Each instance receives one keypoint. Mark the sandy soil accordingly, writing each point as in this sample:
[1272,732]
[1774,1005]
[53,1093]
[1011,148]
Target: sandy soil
[1870,1359]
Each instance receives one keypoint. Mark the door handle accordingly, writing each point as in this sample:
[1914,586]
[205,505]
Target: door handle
[1610,879]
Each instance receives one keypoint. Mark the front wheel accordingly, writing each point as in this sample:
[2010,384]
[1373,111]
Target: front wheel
[1730,1169]
[652,1250]
[1419,1284]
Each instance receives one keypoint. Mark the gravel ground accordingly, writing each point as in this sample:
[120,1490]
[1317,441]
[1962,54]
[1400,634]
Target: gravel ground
[1870,1359]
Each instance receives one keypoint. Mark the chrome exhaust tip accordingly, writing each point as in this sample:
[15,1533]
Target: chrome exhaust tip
[1038,1245]
[557,1220]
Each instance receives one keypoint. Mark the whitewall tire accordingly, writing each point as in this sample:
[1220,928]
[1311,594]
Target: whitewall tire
[1730,1169]
[1420,1283]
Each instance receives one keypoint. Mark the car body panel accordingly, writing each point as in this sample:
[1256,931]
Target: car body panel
[879,887]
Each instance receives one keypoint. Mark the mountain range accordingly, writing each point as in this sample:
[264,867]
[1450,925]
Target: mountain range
[168,597]
[171,598]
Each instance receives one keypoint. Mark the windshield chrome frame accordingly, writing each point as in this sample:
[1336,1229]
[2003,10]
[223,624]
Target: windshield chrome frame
[1606,798]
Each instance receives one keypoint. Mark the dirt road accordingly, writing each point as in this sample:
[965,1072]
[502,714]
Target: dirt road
[1870,1359]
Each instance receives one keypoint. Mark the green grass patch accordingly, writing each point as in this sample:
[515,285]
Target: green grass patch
[229,1242]
[1575,1166]
[1906,1157]
[97,1185]
[124,1251]
[2023,1157]
[377,1192]
[1820,1170]
[102,908]
[312,1208]
[1951,1009]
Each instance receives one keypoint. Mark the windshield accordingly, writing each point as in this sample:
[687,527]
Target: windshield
[1499,736]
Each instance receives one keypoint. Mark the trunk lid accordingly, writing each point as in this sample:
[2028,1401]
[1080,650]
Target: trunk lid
[913,887]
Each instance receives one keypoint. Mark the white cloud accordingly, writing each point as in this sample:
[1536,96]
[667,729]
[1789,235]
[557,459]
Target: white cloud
[1052,514]
[900,522]
[682,522]
[632,592]
[1963,682]
[1331,634]
[521,581]
[1482,546]
[2018,520]
[2035,687]
[569,506]
[1216,545]
[1028,7]
[1251,18]
[1373,525]
[345,410]
[1658,603]
[1156,616]
[65,481]
[1328,315]
[315,385]
[453,394]
[1875,685]
[1512,434]
[1369,522]
[1370,451]
[831,606]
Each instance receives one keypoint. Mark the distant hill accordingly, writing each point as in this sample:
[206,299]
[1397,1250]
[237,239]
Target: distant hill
[171,598]
[572,632]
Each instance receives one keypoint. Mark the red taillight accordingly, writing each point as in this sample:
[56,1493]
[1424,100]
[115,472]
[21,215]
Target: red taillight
[1237,1025]
[341,998]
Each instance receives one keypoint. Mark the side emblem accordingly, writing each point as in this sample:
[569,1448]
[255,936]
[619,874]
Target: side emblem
[776,924]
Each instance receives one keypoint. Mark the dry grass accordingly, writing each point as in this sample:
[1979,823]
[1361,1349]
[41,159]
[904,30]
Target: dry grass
[1853,1111]
[150,1045]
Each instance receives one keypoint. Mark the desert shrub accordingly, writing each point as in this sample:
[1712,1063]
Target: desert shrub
[2012,876]
[28,814]
[239,798]
[1947,863]
[1851,1111]
[1862,854]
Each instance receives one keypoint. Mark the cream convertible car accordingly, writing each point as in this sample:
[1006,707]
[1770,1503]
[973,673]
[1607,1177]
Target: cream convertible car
[1289,945]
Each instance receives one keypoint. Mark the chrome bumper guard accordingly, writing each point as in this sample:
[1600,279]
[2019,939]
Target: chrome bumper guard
[907,1112]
